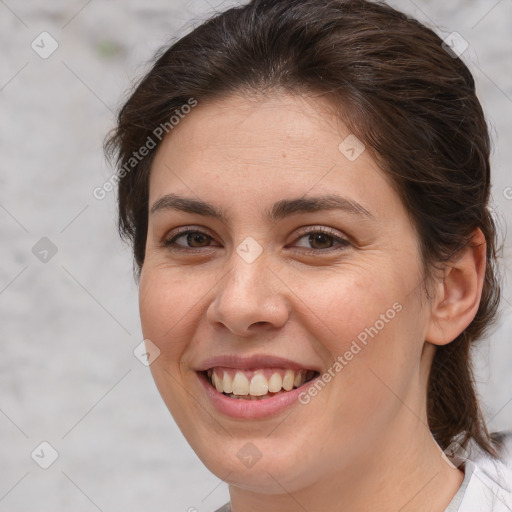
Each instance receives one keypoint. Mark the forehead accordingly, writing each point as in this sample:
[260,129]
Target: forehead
[240,150]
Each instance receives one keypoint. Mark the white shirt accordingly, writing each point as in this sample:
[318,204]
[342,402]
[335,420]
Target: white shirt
[487,487]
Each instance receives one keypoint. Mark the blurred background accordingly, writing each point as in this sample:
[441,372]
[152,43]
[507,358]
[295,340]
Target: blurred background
[68,302]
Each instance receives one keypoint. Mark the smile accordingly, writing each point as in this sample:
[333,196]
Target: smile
[255,387]
[257,384]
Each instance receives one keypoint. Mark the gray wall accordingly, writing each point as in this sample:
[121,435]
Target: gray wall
[69,325]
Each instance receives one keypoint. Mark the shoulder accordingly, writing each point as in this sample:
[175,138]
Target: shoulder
[490,484]
[489,488]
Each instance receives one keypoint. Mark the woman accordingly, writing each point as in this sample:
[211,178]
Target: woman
[306,186]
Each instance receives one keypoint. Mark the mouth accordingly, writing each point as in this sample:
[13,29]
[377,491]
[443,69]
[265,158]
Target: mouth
[257,383]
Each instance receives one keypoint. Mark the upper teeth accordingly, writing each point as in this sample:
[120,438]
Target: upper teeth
[256,382]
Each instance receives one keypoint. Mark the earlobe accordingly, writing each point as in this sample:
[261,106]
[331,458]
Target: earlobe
[458,292]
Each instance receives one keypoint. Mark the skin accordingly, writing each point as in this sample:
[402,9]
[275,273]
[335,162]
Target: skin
[362,443]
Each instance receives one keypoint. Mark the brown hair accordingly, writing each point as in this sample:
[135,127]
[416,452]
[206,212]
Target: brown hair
[410,100]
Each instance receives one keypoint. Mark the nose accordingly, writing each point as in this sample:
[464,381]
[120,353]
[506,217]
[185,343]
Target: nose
[249,298]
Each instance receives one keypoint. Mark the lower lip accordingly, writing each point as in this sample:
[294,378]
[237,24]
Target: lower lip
[251,409]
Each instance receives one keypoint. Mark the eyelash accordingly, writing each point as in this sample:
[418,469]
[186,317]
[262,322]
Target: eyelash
[170,243]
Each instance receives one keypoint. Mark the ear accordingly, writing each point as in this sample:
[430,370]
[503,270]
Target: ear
[458,293]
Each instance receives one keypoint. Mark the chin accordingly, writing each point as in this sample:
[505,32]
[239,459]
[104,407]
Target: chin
[259,465]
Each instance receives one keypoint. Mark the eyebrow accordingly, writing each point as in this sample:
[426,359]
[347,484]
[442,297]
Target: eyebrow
[280,210]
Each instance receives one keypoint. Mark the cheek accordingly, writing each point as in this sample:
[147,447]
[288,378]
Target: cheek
[166,307]
[371,327]
[345,307]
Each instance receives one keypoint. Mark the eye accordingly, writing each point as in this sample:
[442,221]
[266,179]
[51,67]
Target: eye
[323,239]
[194,237]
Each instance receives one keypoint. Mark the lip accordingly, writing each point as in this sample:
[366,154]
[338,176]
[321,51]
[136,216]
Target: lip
[253,362]
[252,409]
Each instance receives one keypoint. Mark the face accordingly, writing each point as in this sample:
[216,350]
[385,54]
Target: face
[268,286]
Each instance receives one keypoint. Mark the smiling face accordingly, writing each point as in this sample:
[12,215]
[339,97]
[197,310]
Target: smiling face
[333,288]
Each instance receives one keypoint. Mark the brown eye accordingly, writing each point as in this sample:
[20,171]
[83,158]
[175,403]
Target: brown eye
[193,239]
[323,239]
[197,238]
[319,240]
